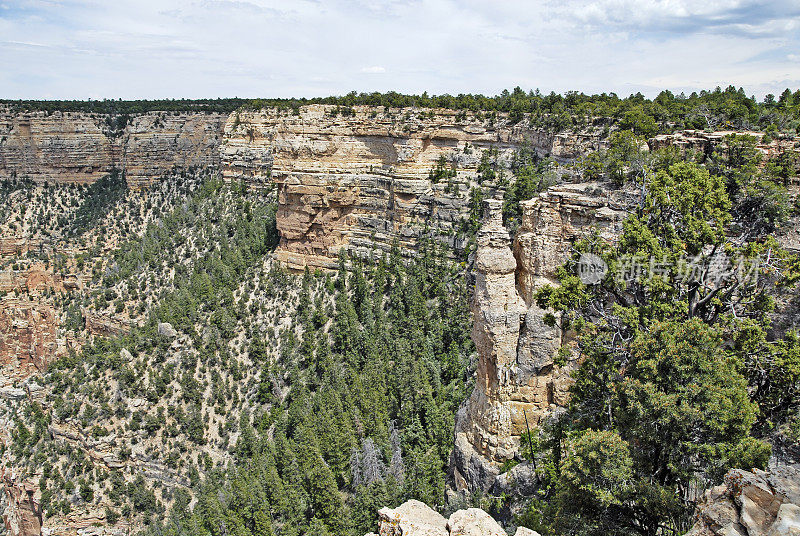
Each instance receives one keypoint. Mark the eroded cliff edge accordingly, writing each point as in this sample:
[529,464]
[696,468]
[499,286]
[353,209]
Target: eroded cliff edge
[520,381]
[76,147]
[360,179]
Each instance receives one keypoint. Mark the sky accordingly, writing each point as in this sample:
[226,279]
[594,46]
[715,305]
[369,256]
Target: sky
[75,49]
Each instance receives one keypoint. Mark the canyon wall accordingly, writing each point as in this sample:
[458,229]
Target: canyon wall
[20,511]
[27,339]
[355,177]
[699,141]
[73,147]
[524,364]
[361,180]
[29,335]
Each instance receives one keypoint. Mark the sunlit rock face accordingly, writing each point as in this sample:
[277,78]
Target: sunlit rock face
[360,180]
[22,515]
[75,147]
[757,503]
[519,383]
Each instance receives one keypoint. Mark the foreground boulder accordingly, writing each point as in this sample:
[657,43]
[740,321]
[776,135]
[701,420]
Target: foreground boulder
[473,522]
[754,503]
[413,518]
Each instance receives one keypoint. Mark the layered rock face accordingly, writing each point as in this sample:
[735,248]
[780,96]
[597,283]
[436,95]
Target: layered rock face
[22,515]
[105,325]
[71,147]
[29,335]
[754,503]
[553,221]
[699,141]
[518,381]
[361,181]
[27,339]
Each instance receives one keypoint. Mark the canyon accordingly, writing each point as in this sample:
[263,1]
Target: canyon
[358,179]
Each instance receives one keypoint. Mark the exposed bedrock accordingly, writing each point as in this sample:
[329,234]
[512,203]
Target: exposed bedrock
[361,181]
[413,518]
[73,147]
[28,340]
[754,503]
[20,511]
[519,383]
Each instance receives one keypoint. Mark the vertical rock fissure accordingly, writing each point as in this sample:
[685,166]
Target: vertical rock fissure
[518,375]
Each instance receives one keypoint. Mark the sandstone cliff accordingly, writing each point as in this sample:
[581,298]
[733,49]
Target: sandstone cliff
[29,335]
[361,180]
[553,221]
[698,141]
[81,148]
[519,381]
[27,339]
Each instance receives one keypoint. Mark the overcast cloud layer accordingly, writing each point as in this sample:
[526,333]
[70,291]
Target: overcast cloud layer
[259,48]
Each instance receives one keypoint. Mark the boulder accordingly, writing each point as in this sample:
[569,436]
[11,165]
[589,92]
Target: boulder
[165,329]
[787,523]
[474,522]
[412,518]
[519,480]
[752,503]
[523,531]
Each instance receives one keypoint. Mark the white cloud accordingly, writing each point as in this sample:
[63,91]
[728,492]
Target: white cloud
[375,69]
[249,48]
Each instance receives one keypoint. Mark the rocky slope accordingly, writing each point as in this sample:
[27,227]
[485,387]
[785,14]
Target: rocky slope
[76,147]
[52,303]
[360,179]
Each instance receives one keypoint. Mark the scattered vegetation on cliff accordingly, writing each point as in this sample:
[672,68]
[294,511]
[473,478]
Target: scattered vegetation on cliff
[130,396]
[684,374]
[285,404]
[99,198]
[716,109]
[356,413]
